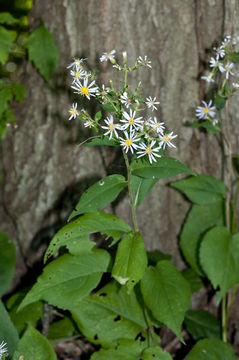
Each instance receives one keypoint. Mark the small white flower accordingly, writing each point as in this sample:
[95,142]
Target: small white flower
[234,40]
[215,63]
[151,103]
[85,89]
[3,349]
[220,52]
[235,85]
[157,126]
[129,141]
[227,39]
[78,74]
[130,121]
[103,91]
[124,99]
[208,79]
[73,111]
[144,62]
[108,56]
[111,127]
[89,124]
[214,122]
[166,140]
[228,69]
[202,112]
[76,63]
[148,150]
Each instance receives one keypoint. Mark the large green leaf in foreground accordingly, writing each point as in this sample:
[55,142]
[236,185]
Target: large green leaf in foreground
[8,333]
[211,349]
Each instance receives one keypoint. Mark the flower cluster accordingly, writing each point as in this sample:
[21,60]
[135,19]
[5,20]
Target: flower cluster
[3,350]
[126,124]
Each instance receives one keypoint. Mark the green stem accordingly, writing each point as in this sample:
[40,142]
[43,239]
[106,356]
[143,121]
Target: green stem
[131,194]
[233,296]
[125,77]
[224,318]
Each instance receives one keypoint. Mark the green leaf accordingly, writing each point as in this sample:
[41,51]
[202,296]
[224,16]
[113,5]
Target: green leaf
[43,51]
[233,57]
[98,116]
[193,279]
[61,329]
[19,92]
[219,257]
[201,189]
[7,18]
[156,255]
[100,194]
[102,141]
[200,219]
[5,44]
[211,349]
[202,324]
[167,294]
[108,107]
[141,188]
[5,97]
[110,314]
[155,353]
[8,333]
[165,167]
[34,346]
[66,280]
[219,101]
[75,234]
[7,263]
[131,260]
[208,125]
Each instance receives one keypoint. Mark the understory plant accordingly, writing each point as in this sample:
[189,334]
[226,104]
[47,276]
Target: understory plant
[119,296]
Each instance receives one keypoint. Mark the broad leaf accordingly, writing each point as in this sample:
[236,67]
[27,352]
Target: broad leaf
[19,92]
[5,97]
[165,167]
[61,329]
[202,324]
[8,333]
[167,294]
[208,125]
[200,219]
[108,107]
[201,189]
[109,315]
[100,194]
[131,260]
[66,280]
[7,263]
[75,234]
[155,353]
[5,44]
[211,349]
[141,188]
[219,257]
[43,51]
[7,18]
[33,345]
[102,141]
[126,349]
[234,57]
[219,101]
[193,279]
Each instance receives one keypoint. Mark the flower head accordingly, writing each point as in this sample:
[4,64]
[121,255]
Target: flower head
[85,89]
[157,126]
[228,69]
[144,62]
[78,73]
[108,56]
[111,127]
[235,85]
[220,52]
[215,63]
[124,99]
[208,79]
[76,64]
[89,124]
[130,121]
[202,112]
[3,349]
[151,102]
[148,150]
[129,141]
[166,140]
[73,111]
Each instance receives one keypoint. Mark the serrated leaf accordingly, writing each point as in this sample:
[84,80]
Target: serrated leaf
[165,167]
[7,263]
[219,101]
[202,324]
[141,188]
[109,315]
[208,125]
[167,294]
[201,189]
[102,141]
[5,44]
[19,92]
[200,219]
[193,279]
[155,353]
[233,57]
[8,333]
[219,257]
[211,349]
[33,345]
[131,260]
[7,18]
[5,97]
[43,51]
[66,280]
[75,234]
[100,194]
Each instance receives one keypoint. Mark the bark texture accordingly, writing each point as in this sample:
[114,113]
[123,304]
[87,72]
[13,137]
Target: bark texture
[44,172]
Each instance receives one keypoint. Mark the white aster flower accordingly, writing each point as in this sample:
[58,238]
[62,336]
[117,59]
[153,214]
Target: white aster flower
[166,140]
[215,63]
[208,79]
[144,62]
[3,349]
[227,39]
[129,141]
[73,111]
[111,127]
[89,124]
[108,56]
[220,52]
[78,74]
[202,112]
[151,102]
[228,70]
[76,63]
[148,150]
[157,126]
[130,121]
[85,89]
[235,85]
[124,99]
[234,40]
[214,122]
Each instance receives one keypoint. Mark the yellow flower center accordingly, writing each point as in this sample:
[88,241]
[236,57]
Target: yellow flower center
[206,110]
[77,74]
[84,90]
[227,68]
[166,138]
[111,126]
[131,121]
[73,111]
[157,125]
[128,142]
[148,150]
